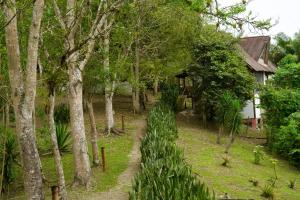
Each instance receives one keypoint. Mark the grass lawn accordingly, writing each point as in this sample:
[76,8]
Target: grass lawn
[205,156]
[117,150]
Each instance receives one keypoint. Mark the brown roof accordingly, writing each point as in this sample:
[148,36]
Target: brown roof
[252,49]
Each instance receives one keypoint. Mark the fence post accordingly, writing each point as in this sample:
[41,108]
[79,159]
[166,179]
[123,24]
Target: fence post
[55,191]
[103,158]
[123,123]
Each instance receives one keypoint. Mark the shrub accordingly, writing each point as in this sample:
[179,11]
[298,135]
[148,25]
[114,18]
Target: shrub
[292,184]
[62,114]
[10,146]
[254,182]
[258,154]
[226,161]
[170,95]
[268,192]
[163,173]
[63,138]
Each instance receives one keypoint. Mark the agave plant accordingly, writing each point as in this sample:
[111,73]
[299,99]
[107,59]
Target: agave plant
[164,174]
[63,138]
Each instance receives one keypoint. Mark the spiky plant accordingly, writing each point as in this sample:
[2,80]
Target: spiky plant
[63,138]
[223,109]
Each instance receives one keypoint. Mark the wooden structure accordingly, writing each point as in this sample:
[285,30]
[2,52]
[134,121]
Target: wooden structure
[186,85]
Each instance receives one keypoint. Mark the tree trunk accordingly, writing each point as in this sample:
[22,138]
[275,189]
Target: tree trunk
[109,112]
[94,132]
[56,153]
[220,133]
[230,142]
[80,150]
[109,86]
[136,101]
[23,94]
[82,171]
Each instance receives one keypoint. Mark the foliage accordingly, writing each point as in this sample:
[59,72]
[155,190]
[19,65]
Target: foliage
[287,139]
[9,149]
[288,73]
[223,108]
[164,174]
[268,192]
[62,114]
[169,95]
[234,120]
[254,181]
[63,138]
[226,161]
[292,183]
[284,46]
[279,104]
[258,154]
[219,67]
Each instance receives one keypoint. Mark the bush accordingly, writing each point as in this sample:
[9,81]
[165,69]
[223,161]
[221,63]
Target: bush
[286,139]
[268,192]
[258,154]
[170,95]
[163,173]
[62,114]
[11,153]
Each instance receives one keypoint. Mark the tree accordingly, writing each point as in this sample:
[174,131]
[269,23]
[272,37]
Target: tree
[23,88]
[78,47]
[219,67]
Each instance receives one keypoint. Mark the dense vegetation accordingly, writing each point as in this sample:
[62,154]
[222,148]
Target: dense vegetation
[281,101]
[164,174]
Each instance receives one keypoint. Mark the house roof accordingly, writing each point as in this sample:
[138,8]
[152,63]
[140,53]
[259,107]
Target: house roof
[252,48]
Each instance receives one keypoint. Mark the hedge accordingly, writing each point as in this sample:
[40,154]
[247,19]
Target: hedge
[164,175]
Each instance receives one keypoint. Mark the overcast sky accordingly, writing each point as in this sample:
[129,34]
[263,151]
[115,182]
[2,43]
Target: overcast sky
[286,12]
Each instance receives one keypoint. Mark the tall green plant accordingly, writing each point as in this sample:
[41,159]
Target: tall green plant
[234,121]
[222,112]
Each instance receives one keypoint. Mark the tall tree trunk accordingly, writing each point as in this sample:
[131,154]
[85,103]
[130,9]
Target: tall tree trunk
[80,150]
[23,93]
[56,153]
[94,132]
[109,87]
[136,68]
[230,142]
[220,132]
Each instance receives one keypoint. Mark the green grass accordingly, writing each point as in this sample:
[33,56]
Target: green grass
[205,156]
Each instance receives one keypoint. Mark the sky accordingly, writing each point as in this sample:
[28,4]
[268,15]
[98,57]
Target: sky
[285,12]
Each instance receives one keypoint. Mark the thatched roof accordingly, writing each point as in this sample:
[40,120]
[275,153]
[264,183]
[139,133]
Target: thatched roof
[255,51]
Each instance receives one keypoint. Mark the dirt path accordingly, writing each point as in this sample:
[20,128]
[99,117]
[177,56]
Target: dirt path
[120,191]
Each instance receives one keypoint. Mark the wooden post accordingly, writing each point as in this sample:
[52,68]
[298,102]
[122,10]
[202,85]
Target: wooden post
[123,124]
[55,192]
[103,158]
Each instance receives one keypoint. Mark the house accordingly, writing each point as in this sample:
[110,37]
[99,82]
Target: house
[255,51]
